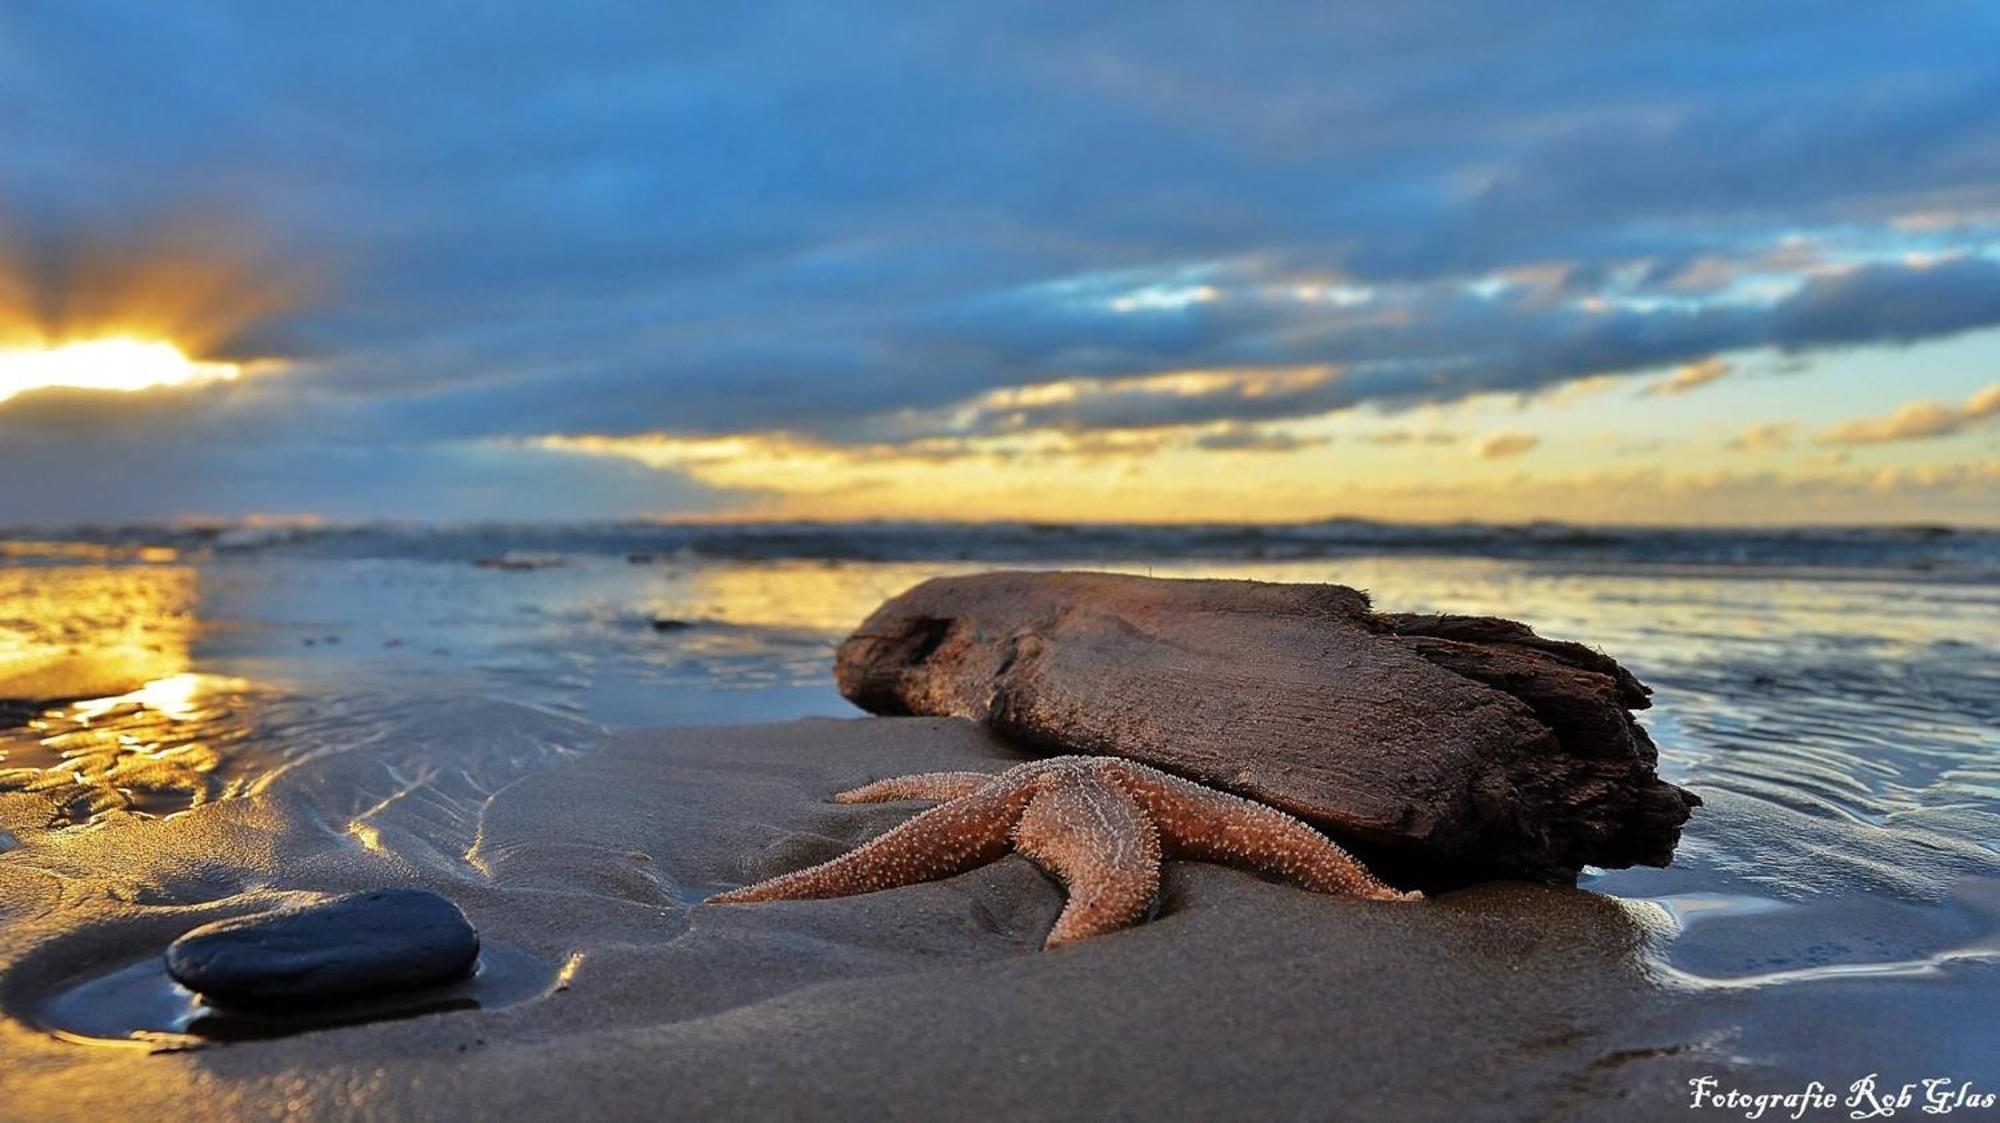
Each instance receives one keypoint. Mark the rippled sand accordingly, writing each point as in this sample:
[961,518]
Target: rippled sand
[1835,905]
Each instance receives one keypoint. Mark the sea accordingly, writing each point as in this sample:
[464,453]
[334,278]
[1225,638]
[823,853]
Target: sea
[1833,694]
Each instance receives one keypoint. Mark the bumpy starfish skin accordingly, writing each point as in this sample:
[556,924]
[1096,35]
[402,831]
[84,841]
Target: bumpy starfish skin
[1100,824]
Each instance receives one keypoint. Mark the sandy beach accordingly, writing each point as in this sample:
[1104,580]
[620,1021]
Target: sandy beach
[1241,997]
[264,731]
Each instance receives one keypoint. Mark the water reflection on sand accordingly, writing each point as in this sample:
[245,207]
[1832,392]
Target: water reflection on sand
[74,630]
[1842,723]
[104,714]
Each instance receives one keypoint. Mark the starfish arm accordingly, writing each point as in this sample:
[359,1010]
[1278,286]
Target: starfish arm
[948,839]
[1098,842]
[930,785]
[1208,825]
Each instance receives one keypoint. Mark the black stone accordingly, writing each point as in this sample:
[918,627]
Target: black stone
[669,624]
[350,947]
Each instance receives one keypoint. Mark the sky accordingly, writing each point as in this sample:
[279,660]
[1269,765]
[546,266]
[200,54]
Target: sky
[1650,263]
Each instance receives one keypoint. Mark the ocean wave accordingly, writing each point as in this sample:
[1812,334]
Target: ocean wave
[1943,552]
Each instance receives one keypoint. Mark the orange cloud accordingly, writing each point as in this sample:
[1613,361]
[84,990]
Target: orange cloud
[1139,476]
[1504,446]
[1768,437]
[1582,388]
[1168,399]
[201,281]
[1916,421]
[1410,437]
[1951,493]
[1691,376]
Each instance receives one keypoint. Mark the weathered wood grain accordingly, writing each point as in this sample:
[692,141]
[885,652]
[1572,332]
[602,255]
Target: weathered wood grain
[1446,748]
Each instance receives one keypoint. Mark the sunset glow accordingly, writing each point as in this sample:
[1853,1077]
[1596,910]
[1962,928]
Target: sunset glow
[1136,282]
[117,363]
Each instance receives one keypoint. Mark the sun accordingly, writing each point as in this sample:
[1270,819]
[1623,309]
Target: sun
[113,363]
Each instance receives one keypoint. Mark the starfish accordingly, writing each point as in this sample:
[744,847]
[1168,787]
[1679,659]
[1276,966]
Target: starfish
[1100,824]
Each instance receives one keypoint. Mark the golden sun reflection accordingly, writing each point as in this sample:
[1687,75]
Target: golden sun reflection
[106,715]
[114,363]
[93,631]
[175,697]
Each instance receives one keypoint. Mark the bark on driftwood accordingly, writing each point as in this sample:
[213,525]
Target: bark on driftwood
[1445,748]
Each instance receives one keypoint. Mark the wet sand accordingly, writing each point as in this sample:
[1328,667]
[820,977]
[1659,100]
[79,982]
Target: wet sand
[585,856]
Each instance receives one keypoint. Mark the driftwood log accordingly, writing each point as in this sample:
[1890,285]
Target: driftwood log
[1442,748]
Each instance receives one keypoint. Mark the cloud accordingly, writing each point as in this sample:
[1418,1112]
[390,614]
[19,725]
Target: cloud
[1578,389]
[794,480]
[740,220]
[1944,493]
[211,283]
[120,483]
[1506,446]
[1395,437]
[1691,376]
[1915,421]
[1274,356]
[1250,438]
[1891,303]
[1770,436]
[1165,400]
